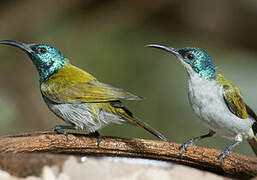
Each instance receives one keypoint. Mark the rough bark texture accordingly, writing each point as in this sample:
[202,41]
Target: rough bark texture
[49,142]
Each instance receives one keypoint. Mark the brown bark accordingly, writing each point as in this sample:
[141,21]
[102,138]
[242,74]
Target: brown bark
[203,158]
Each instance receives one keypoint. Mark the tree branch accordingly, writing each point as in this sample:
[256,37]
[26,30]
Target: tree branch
[203,158]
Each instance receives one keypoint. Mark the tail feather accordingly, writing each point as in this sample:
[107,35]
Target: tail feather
[253,141]
[253,144]
[149,129]
[128,115]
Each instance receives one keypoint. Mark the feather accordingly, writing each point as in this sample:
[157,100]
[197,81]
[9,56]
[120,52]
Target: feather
[125,113]
[253,142]
[236,105]
[254,117]
[72,85]
[232,97]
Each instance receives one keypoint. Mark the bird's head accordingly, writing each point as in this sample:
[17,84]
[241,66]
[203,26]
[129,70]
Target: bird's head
[195,60]
[46,58]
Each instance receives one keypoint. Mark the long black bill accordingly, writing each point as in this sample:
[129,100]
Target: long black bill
[165,48]
[23,46]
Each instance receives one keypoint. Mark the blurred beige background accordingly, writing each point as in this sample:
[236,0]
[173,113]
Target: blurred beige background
[107,38]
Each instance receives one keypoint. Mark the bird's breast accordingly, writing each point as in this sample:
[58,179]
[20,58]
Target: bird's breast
[206,99]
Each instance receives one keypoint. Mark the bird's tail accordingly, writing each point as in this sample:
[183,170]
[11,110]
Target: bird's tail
[253,144]
[126,114]
[149,129]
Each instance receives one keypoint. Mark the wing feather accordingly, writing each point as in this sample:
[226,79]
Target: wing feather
[232,97]
[72,85]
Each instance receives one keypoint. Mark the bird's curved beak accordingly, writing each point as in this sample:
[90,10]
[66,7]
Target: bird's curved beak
[165,48]
[23,46]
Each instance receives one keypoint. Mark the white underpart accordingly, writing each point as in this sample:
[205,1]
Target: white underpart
[82,117]
[206,99]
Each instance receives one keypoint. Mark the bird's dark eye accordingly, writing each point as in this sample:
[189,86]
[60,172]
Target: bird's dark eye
[190,56]
[42,50]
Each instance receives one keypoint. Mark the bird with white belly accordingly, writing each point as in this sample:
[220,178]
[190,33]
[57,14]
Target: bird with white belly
[215,100]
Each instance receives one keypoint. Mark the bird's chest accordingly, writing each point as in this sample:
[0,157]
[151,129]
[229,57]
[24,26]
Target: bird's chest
[205,97]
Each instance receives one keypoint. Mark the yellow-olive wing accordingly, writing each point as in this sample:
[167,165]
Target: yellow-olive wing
[232,97]
[73,85]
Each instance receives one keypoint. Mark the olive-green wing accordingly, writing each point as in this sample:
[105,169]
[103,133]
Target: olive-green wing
[72,85]
[235,103]
[232,97]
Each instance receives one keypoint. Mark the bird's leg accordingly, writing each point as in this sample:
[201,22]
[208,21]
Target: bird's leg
[193,140]
[223,154]
[60,129]
[97,135]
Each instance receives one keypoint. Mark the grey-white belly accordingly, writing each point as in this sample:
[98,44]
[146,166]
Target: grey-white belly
[84,116]
[207,101]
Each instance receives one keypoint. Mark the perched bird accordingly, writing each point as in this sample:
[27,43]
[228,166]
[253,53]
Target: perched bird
[77,97]
[215,100]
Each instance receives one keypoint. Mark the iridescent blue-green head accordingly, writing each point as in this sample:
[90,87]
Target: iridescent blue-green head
[194,59]
[46,58]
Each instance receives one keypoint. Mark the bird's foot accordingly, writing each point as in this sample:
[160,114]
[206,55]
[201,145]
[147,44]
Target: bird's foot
[183,147]
[223,154]
[97,135]
[60,130]
[193,140]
